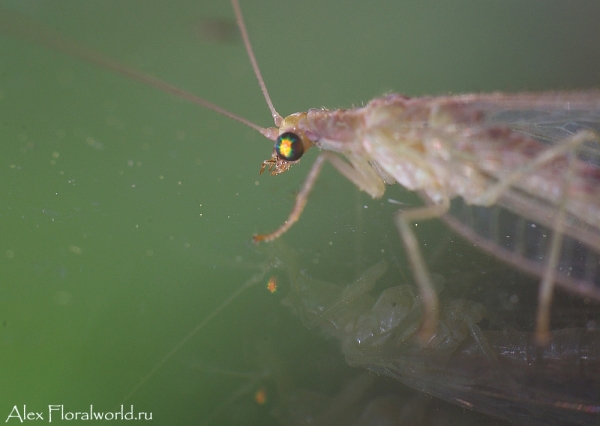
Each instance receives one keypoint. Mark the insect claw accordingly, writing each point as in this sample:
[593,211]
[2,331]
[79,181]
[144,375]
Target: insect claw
[270,162]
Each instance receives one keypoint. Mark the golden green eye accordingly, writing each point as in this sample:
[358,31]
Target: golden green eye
[289,146]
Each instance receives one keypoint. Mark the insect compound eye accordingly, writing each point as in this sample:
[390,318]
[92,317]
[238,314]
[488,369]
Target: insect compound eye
[289,146]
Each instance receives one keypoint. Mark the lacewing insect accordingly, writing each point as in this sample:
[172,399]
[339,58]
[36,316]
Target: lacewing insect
[549,118]
[485,149]
[533,155]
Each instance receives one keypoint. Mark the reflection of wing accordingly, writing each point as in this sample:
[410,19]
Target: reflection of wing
[537,394]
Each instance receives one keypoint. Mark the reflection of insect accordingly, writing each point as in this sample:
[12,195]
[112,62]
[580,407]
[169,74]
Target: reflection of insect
[535,155]
[502,373]
[343,396]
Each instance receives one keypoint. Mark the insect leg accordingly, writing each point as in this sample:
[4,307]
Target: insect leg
[430,300]
[363,177]
[301,199]
[542,323]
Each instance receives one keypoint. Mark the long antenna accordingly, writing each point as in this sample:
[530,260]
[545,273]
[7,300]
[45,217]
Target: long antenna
[240,21]
[15,25]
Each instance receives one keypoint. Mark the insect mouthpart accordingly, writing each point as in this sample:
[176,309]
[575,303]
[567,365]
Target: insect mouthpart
[276,164]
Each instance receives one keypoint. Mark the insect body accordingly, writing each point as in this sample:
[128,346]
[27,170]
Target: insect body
[462,146]
[536,155]
[486,149]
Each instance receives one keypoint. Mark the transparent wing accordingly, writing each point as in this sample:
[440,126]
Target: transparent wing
[549,117]
[518,227]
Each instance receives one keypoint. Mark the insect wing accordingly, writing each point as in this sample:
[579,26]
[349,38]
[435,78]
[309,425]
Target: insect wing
[549,117]
[503,132]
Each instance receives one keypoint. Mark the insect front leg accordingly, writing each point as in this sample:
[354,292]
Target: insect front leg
[301,199]
[430,301]
[359,173]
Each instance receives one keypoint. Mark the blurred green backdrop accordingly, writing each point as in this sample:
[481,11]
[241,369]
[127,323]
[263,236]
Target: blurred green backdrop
[126,215]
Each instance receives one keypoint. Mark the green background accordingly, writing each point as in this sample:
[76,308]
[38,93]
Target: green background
[126,215]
